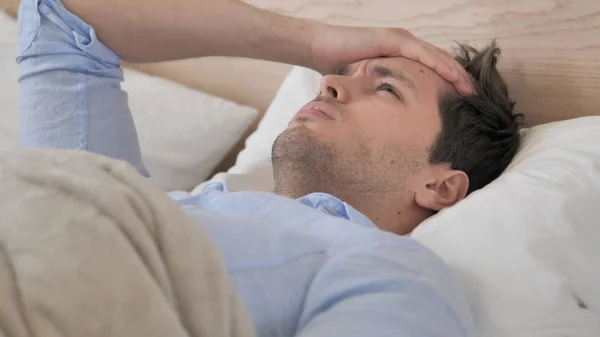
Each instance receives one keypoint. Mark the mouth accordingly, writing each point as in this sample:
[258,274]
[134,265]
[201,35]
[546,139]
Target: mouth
[315,110]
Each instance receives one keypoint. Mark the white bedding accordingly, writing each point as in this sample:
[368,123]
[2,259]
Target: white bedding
[109,263]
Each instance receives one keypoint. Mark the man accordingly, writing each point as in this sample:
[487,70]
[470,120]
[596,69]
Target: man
[387,143]
[394,140]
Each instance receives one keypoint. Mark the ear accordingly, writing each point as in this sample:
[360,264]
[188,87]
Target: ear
[444,191]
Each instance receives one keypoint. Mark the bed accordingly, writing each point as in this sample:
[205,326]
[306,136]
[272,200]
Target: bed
[526,263]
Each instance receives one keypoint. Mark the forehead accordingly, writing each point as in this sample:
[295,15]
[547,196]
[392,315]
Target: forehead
[427,80]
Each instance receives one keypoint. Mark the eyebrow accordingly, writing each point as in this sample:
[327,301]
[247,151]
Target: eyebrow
[400,76]
[386,72]
[343,70]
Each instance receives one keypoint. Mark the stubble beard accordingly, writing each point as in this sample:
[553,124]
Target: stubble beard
[303,164]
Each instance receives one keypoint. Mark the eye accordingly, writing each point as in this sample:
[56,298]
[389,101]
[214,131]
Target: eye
[390,89]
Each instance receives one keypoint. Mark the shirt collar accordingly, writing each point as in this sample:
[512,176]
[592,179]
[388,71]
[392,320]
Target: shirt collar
[334,206]
[320,201]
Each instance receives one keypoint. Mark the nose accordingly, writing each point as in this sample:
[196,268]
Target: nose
[334,86]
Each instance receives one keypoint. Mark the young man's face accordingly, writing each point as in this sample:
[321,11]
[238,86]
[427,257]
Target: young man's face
[371,127]
[376,104]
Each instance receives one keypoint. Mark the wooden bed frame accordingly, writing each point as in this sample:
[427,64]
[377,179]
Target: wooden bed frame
[551,49]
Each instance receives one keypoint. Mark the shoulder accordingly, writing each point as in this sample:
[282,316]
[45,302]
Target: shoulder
[395,281]
[391,254]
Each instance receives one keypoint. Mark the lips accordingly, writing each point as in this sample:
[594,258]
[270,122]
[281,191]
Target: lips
[316,109]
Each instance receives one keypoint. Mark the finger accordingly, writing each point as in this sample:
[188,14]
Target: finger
[452,63]
[425,56]
[421,53]
[453,67]
[464,83]
[444,52]
[463,86]
[451,59]
[466,87]
[445,68]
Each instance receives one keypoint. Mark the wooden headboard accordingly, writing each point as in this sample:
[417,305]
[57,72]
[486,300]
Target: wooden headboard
[551,48]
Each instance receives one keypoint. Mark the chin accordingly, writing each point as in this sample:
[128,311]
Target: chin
[293,135]
[308,123]
[294,128]
[311,130]
[294,143]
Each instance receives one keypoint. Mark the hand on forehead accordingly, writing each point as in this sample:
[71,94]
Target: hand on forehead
[414,75]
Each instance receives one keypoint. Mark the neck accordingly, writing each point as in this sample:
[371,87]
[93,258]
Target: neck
[304,165]
[387,209]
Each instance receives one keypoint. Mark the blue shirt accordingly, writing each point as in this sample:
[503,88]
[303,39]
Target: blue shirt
[312,267]
[317,267]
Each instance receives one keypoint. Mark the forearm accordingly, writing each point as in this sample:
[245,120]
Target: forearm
[70,87]
[158,30]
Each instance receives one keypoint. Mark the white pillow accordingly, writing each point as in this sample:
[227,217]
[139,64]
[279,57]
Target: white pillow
[252,169]
[184,133]
[522,248]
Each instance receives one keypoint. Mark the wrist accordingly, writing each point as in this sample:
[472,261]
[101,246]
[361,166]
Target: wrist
[262,34]
[297,41]
[318,44]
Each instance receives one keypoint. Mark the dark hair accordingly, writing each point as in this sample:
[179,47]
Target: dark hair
[480,133]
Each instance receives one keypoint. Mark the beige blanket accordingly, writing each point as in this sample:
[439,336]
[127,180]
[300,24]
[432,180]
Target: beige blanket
[89,248]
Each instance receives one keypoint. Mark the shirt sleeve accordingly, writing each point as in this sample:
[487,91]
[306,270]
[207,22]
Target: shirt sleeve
[70,86]
[386,291]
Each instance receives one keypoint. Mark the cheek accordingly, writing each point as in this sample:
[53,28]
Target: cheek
[386,127]
[415,135]
[376,124]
